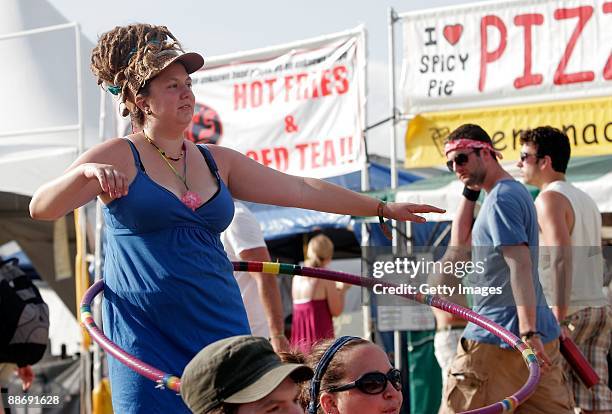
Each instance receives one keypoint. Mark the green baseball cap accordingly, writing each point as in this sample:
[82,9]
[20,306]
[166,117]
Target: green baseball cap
[236,370]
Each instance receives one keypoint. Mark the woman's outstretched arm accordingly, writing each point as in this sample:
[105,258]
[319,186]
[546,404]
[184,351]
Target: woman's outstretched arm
[251,181]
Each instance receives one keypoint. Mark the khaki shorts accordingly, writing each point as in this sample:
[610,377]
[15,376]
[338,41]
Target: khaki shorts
[483,374]
[591,329]
[445,348]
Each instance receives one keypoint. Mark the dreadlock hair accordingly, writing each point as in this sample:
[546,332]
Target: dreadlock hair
[124,57]
[549,141]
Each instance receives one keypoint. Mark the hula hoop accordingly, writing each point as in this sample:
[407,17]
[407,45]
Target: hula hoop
[172,382]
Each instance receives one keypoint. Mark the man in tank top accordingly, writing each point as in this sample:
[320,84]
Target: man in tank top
[571,264]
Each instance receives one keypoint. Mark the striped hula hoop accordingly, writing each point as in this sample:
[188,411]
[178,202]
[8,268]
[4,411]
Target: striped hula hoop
[172,382]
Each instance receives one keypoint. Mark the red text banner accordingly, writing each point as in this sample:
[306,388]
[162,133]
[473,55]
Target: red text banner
[505,53]
[296,108]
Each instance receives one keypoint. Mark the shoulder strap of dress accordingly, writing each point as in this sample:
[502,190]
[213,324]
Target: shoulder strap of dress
[209,159]
[135,153]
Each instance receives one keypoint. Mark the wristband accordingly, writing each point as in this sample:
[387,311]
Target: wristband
[470,194]
[381,220]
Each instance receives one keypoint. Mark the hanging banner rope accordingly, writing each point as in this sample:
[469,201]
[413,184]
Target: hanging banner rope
[172,382]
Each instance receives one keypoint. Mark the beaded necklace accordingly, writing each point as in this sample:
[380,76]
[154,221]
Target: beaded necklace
[162,152]
[190,198]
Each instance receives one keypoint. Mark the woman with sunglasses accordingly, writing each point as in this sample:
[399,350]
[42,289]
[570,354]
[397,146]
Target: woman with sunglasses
[352,375]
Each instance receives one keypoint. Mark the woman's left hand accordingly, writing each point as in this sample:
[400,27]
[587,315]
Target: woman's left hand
[406,211]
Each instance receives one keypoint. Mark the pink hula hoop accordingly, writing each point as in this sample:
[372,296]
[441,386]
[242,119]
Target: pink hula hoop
[172,382]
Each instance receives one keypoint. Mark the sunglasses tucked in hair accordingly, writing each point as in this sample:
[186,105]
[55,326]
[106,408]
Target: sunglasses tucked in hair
[373,383]
[459,160]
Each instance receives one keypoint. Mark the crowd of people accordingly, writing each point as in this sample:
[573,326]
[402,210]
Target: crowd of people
[166,201]
[173,225]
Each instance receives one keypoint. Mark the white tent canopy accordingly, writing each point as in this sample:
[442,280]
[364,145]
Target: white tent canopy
[40,93]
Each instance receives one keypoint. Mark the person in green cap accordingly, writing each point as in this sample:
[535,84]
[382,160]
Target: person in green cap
[242,375]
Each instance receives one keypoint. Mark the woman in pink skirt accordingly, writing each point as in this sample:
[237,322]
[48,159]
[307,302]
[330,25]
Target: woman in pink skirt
[315,301]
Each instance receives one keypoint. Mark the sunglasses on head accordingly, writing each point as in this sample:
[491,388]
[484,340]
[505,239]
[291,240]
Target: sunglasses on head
[373,383]
[459,160]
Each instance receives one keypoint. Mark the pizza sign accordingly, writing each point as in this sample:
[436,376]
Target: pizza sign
[503,53]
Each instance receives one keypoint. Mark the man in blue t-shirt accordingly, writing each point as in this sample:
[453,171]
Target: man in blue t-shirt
[504,287]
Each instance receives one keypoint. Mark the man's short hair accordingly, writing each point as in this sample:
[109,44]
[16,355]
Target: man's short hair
[470,131]
[549,141]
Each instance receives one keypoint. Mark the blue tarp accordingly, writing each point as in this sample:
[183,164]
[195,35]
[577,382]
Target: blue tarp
[279,222]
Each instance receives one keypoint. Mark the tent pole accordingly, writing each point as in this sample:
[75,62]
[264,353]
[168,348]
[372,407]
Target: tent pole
[365,179]
[392,18]
[82,273]
[97,352]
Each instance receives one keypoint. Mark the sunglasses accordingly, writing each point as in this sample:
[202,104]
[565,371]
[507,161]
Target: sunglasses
[459,160]
[373,383]
[523,156]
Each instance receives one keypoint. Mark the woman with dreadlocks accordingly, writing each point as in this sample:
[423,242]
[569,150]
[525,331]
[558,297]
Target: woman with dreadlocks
[169,287]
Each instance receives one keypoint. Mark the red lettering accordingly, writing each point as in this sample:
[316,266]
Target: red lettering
[277,157]
[288,86]
[270,83]
[350,147]
[329,154]
[340,76]
[314,155]
[239,96]
[528,78]
[315,89]
[302,150]
[256,94]
[281,157]
[325,81]
[487,57]
[302,91]
[607,72]
[583,13]
[265,157]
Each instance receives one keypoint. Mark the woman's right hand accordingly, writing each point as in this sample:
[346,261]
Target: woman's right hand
[112,181]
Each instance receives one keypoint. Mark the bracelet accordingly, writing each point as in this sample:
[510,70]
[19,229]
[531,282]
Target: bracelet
[470,194]
[276,336]
[565,322]
[381,220]
[525,336]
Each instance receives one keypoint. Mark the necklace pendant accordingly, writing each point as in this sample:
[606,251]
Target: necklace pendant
[191,199]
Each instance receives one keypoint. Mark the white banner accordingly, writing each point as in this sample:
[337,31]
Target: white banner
[506,52]
[297,108]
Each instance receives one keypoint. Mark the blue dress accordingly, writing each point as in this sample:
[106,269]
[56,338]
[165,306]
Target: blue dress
[169,286]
